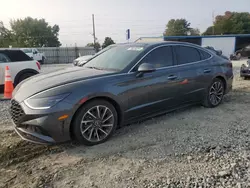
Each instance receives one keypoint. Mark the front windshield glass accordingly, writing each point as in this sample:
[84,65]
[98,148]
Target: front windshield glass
[27,50]
[116,58]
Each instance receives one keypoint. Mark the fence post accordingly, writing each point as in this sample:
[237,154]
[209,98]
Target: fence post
[76,52]
[57,55]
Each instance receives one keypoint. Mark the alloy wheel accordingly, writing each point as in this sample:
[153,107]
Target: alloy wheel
[97,123]
[216,93]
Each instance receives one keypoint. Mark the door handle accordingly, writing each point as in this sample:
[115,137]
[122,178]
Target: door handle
[207,70]
[172,77]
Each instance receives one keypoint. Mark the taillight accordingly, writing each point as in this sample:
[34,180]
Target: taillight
[38,65]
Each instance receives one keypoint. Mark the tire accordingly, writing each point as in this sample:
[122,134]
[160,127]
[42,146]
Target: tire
[24,76]
[91,131]
[42,61]
[217,89]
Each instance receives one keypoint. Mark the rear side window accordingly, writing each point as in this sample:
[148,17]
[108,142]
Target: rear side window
[160,57]
[4,58]
[185,54]
[204,55]
[16,55]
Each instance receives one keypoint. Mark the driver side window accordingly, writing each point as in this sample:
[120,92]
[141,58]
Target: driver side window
[159,57]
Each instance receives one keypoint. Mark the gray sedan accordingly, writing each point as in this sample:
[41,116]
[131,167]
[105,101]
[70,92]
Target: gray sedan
[124,84]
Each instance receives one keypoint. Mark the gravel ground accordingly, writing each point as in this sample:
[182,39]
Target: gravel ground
[194,147]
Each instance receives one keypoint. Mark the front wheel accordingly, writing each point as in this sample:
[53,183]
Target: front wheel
[42,61]
[214,94]
[95,123]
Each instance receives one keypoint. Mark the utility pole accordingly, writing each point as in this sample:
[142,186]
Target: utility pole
[93,20]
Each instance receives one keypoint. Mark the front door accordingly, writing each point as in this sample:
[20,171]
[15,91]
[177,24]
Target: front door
[155,91]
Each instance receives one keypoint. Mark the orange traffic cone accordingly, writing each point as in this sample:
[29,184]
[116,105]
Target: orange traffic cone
[8,85]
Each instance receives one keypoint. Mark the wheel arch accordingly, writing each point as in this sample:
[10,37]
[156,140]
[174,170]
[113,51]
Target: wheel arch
[223,79]
[22,72]
[106,98]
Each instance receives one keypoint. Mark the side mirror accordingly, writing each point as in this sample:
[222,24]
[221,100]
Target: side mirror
[146,67]
[35,52]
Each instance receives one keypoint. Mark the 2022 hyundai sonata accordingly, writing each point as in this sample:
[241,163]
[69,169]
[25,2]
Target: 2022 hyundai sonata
[126,83]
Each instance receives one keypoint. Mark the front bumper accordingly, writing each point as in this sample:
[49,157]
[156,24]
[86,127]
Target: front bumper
[245,72]
[40,126]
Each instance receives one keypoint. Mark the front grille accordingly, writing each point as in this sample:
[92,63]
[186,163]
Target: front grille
[16,112]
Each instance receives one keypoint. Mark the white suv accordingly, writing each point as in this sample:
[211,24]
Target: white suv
[21,65]
[34,54]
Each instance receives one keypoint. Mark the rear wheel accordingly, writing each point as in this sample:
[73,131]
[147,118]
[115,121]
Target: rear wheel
[214,94]
[24,76]
[95,123]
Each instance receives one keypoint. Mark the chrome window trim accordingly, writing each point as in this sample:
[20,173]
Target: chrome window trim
[165,45]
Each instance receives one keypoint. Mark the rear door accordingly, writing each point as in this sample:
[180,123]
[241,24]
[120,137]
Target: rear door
[195,72]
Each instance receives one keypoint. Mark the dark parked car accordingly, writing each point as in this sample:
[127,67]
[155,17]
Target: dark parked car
[245,70]
[125,84]
[244,52]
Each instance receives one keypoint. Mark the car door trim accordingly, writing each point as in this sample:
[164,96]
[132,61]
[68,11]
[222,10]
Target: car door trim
[165,45]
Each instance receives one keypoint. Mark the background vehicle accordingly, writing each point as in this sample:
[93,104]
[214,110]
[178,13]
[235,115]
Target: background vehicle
[35,54]
[21,66]
[244,52]
[245,69]
[126,83]
[82,60]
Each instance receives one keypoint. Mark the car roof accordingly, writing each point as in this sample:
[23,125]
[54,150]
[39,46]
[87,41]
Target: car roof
[10,50]
[155,44]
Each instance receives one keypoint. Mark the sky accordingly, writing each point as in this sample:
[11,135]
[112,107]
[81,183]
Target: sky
[145,18]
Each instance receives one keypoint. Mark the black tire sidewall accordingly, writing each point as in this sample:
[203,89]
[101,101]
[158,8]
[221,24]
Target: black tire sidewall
[76,130]
[24,77]
[207,102]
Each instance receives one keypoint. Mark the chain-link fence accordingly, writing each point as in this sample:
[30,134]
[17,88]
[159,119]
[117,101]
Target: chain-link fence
[56,55]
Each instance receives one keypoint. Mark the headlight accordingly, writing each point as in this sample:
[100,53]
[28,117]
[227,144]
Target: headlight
[39,103]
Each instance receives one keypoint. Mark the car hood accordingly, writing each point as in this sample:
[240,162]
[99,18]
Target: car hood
[43,81]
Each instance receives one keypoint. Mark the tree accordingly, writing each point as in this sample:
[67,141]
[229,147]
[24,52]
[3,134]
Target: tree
[195,32]
[6,37]
[108,41]
[178,27]
[230,23]
[97,46]
[31,32]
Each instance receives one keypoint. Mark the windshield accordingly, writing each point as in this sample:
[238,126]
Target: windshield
[27,50]
[116,58]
